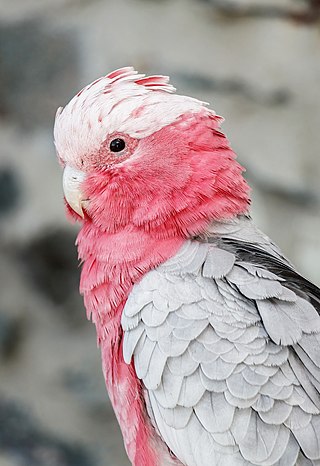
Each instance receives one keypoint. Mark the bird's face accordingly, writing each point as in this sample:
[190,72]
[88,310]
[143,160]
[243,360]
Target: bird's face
[134,153]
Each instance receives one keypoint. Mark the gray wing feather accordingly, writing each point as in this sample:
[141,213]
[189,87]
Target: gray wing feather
[230,358]
[264,443]
[171,346]
[167,394]
[221,413]
[191,390]
[177,417]
[130,342]
[218,263]
[157,363]
[308,437]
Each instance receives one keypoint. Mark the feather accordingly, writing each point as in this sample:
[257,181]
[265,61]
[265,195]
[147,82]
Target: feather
[308,438]
[130,341]
[220,347]
[299,372]
[217,386]
[278,414]
[261,289]
[208,336]
[240,402]
[298,419]
[192,331]
[256,359]
[299,398]
[280,449]
[310,344]
[177,417]
[258,271]
[187,311]
[256,346]
[276,359]
[240,424]
[227,331]
[221,412]
[183,256]
[183,365]
[240,388]
[206,449]
[251,333]
[225,439]
[291,454]
[218,369]
[156,366]
[253,377]
[281,328]
[210,292]
[177,322]
[152,317]
[135,302]
[193,267]
[263,403]
[142,356]
[163,331]
[163,304]
[260,440]
[218,263]
[167,394]
[191,390]
[234,356]
[172,346]
[200,353]
[282,380]
[313,370]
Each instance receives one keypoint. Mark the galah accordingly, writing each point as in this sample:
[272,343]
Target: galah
[209,336]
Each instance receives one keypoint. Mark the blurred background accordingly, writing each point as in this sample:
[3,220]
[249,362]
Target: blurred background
[258,64]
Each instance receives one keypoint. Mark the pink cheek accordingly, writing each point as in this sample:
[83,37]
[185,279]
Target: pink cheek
[104,157]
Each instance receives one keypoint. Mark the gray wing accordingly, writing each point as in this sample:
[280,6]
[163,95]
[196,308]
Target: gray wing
[229,356]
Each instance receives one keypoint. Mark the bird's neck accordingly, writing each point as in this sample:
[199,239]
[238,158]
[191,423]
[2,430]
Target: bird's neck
[112,263]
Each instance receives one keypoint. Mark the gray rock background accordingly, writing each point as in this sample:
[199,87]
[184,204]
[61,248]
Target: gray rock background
[256,62]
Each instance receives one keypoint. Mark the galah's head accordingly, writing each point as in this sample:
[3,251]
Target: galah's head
[137,155]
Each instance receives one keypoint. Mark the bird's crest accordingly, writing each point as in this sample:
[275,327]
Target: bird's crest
[129,74]
[123,101]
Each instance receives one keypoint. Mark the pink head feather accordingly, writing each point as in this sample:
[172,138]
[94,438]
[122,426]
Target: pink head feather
[176,162]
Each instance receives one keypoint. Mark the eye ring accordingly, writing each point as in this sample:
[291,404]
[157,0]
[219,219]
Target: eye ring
[117,145]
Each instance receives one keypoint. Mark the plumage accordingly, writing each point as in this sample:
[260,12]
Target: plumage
[209,336]
[263,387]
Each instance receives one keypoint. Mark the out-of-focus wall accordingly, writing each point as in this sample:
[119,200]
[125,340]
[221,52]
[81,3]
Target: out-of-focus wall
[257,63]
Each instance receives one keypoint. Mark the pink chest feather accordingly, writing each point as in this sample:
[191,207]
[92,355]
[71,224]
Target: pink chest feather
[112,264]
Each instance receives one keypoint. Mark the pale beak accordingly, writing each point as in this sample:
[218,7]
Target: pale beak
[72,180]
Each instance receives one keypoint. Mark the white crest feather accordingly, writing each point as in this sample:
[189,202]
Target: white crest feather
[123,101]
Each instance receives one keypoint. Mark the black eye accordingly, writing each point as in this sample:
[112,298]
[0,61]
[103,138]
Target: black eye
[117,145]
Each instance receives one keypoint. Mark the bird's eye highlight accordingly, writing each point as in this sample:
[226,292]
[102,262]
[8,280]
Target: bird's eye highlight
[117,145]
